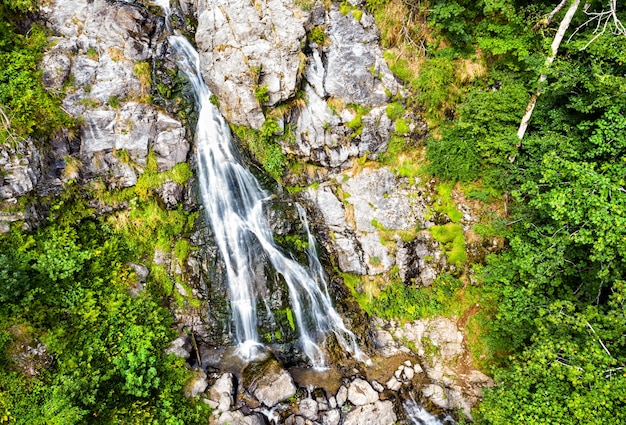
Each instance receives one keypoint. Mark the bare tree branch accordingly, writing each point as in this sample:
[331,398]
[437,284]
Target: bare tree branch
[556,42]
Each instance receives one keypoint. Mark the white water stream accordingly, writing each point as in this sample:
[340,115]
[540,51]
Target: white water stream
[233,200]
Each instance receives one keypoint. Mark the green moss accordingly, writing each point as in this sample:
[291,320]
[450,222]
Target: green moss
[395,110]
[358,14]
[317,35]
[402,127]
[450,235]
[264,146]
[262,94]
[444,203]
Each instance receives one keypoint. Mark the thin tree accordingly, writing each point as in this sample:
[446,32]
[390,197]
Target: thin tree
[556,42]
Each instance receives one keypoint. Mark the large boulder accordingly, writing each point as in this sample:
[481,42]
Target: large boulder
[378,413]
[268,382]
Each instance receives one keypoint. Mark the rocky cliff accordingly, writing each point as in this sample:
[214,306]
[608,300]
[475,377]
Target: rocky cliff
[317,70]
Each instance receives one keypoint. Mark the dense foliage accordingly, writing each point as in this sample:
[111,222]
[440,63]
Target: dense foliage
[26,108]
[69,286]
[557,318]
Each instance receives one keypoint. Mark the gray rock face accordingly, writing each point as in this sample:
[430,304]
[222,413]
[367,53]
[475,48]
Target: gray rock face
[98,45]
[21,169]
[244,45]
[378,413]
[344,242]
[349,69]
[355,61]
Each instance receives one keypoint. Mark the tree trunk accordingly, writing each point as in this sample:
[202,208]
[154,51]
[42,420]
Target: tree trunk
[567,19]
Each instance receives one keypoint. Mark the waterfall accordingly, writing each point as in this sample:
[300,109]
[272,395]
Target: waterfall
[420,416]
[233,201]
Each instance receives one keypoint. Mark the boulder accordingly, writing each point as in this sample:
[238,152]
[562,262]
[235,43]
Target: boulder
[360,392]
[378,413]
[308,408]
[222,392]
[268,382]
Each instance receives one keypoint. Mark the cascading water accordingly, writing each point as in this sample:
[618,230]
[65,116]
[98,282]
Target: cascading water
[233,200]
[420,416]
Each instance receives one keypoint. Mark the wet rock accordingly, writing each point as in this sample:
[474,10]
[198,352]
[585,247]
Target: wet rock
[344,242]
[378,413]
[377,386]
[360,392]
[268,382]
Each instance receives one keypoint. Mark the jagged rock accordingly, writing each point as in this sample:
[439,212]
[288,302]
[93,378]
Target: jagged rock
[222,392]
[356,70]
[344,241]
[98,45]
[20,166]
[378,413]
[245,45]
[360,392]
[171,193]
[268,382]
[169,144]
[181,347]
[56,69]
[308,408]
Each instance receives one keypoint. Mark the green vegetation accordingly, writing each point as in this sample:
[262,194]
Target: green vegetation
[262,94]
[68,285]
[264,146]
[551,324]
[26,108]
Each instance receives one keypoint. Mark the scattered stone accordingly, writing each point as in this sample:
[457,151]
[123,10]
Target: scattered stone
[377,386]
[197,385]
[342,396]
[331,417]
[408,373]
[393,384]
